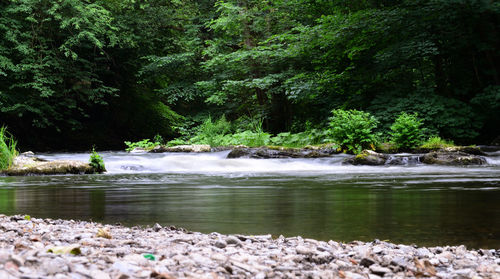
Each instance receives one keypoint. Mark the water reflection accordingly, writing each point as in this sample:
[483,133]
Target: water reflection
[400,208]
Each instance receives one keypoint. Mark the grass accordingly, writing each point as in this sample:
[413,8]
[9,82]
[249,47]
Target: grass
[7,148]
[436,143]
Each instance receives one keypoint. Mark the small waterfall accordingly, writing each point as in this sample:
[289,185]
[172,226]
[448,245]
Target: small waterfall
[493,158]
[403,160]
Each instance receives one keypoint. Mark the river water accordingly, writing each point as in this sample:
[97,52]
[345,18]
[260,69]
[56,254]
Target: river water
[314,198]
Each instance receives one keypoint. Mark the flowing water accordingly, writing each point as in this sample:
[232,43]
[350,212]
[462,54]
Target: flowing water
[314,198]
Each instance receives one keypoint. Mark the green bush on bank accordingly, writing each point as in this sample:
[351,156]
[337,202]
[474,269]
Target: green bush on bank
[353,130]
[219,133]
[406,131]
[7,148]
[310,137]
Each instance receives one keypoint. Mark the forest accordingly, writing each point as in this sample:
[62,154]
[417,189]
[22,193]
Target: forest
[76,73]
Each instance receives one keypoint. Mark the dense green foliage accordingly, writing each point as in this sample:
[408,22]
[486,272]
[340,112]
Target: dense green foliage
[145,144]
[7,148]
[353,130]
[407,131]
[97,162]
[309,137]
[222,133]
[136,68]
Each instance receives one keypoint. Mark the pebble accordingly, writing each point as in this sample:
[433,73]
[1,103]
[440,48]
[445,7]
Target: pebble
[378,270]
[303,250]
[168,252]
[220,244]
[233,240]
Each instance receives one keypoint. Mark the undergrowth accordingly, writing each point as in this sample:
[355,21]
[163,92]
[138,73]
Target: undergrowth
[7,148]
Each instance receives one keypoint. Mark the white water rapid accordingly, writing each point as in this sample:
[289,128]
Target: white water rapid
[216,163]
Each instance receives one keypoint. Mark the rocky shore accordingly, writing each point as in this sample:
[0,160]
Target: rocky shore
[46,248]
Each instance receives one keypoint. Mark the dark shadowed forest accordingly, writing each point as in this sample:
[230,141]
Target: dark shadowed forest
[78,73]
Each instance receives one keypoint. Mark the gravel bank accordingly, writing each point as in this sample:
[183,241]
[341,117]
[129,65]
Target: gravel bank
[45,248]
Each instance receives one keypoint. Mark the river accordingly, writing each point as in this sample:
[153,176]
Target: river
[314,198]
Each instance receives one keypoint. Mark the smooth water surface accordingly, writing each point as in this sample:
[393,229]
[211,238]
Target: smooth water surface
[314,198]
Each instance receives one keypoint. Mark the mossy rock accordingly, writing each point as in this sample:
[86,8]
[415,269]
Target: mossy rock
[452,158]
[472,150]
[369,158]
[387,147]
[34,166]
[277,153]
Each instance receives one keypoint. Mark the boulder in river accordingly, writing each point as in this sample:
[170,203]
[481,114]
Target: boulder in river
[24,165]
[368,157]
[473,150]
[452,158]
[280,152]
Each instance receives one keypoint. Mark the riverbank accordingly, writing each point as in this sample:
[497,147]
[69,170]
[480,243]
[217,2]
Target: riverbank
[40,248]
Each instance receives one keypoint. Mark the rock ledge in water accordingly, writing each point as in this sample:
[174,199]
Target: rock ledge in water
[195,148]
[281,152]
[452,158]
[472,150]
[24,165]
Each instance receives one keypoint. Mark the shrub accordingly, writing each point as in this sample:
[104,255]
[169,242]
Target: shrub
[96,162]
[177,141]
[406,131]
[218,134]
[158,139]
[248,138]
[144,144]
[311,137]
[436,142]
[353,130]
[7,148]
[212,133]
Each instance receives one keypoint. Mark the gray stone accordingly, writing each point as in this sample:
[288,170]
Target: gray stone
[18,260]
[424,253]
[220,244]
[366,262]
[380,271]
[352,275]
[98,274]
[55,266]
[157,227]
[124,267]
[465,273]
[378,249]
[4,255]
[233,240]
[303,250]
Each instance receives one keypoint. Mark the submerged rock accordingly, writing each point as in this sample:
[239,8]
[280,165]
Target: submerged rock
[24,165]
[452,158]
[368,157]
